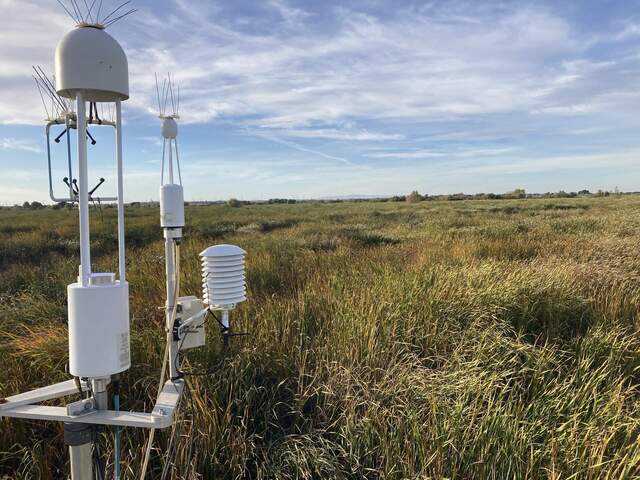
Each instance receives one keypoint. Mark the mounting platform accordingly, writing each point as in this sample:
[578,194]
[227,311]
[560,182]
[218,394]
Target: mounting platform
[24,405]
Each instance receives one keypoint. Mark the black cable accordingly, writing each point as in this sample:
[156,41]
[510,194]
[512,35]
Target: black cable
[97,456]
[216,368]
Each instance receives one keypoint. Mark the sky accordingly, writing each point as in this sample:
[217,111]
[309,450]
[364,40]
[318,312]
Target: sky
[308,99]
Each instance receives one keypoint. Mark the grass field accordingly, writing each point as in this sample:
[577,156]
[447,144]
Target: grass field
[474,339]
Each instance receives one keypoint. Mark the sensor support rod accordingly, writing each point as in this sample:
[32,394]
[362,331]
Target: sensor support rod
[120,173]
[67,130]
[171,252]
[83,194]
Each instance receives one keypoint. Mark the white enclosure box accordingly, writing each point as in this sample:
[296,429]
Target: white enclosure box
[99,327]
[171,206]
[169,128]
[195,336]
[90,60]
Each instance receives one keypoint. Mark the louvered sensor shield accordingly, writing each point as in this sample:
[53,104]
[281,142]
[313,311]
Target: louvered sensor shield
[223,283]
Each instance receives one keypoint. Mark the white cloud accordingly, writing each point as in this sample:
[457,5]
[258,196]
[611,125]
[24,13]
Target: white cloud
[25,144]
[454,153]
[552,163]
[439,62]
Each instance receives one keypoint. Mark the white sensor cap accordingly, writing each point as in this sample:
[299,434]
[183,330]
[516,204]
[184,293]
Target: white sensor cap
[90,61]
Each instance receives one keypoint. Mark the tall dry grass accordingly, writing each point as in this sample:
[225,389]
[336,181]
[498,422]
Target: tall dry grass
[467,339]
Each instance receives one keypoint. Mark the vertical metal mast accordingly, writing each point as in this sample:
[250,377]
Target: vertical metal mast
[121,247]
[83,192]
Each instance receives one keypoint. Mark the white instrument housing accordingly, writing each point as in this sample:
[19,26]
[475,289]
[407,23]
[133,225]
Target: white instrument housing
[99,327]
[171,206]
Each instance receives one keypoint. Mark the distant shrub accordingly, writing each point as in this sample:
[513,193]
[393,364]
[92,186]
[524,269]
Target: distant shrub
[517,193]
[234,202]
[414,197]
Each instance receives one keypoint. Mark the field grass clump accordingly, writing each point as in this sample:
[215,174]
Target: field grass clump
[471,339]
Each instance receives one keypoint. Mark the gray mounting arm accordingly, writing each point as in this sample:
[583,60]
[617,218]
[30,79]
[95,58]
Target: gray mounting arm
[84,411]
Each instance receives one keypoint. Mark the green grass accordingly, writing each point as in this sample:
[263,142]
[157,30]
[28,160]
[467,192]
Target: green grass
[471,339]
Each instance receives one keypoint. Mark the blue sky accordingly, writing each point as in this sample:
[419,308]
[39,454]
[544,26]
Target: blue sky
[310,99]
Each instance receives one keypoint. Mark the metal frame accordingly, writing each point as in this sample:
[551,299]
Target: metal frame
[24,405]
[71,123]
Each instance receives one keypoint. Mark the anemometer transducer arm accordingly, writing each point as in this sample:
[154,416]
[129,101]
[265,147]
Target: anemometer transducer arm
[70,122]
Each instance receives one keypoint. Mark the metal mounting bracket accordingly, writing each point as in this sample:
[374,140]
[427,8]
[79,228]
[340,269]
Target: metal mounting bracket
[83,411]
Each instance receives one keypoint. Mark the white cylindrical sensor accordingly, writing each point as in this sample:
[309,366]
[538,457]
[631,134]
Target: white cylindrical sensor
[98,328]
[171,206]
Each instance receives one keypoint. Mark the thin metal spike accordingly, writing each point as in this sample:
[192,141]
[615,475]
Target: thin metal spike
[164,96]
[47,84]
[178,107]
[118,8]
[42,97]
[80,10]
[173,104]
[87,10]
[91,8]
[114,20]
[77,10]
[98,14]
[158,95]
[73,6]
[68,12]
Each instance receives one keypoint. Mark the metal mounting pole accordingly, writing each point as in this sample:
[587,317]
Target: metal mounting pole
[170,163]
[121,261]
[80,458]
[83,193]
[169,252]
[67,128]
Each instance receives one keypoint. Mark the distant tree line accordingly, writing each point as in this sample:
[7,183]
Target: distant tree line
[518,193]
[413,197]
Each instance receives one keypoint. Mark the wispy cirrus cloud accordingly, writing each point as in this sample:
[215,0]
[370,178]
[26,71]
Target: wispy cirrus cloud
[454,153]
[24,144]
